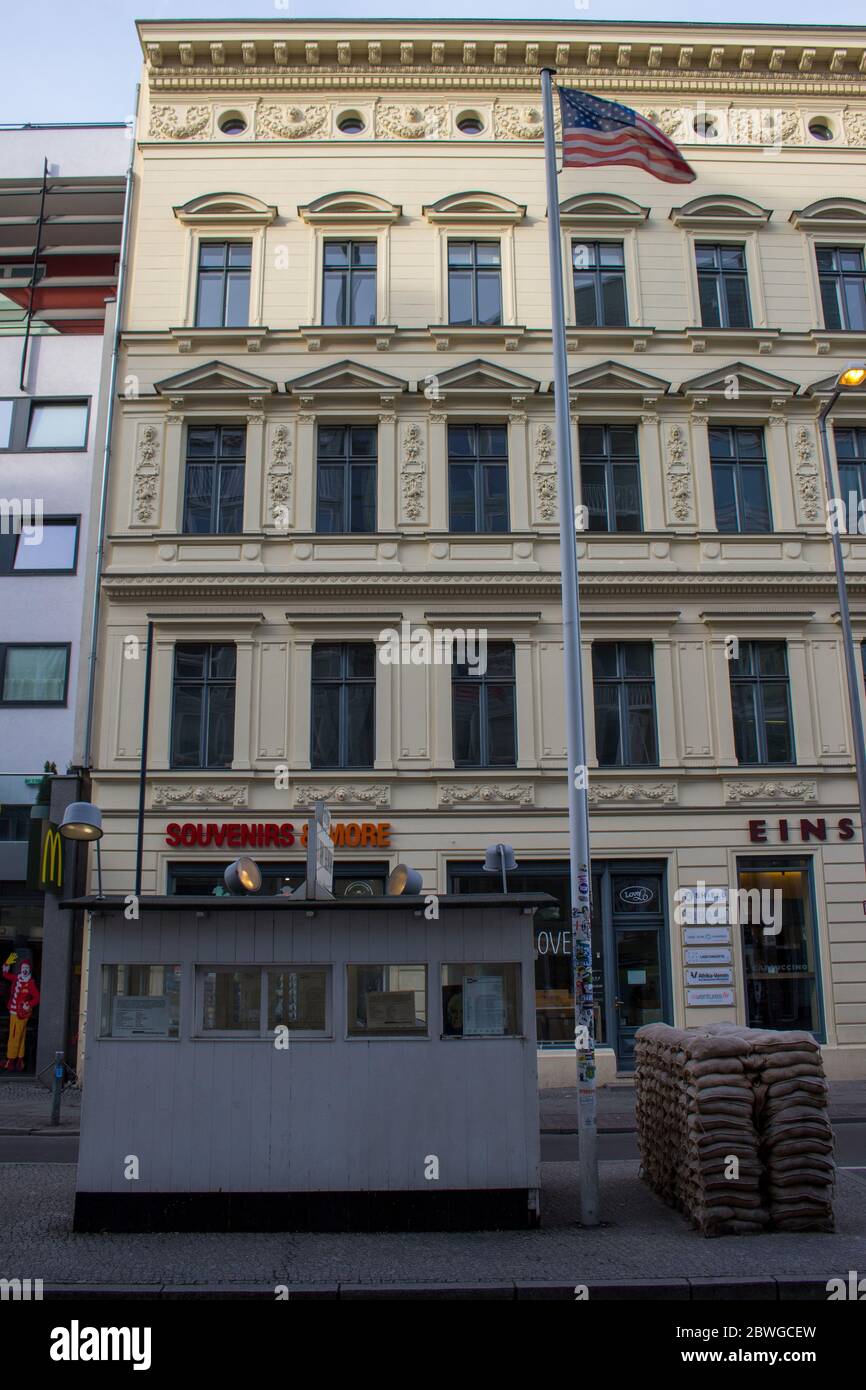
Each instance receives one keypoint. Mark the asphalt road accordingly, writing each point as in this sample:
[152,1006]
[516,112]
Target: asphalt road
[555,1148]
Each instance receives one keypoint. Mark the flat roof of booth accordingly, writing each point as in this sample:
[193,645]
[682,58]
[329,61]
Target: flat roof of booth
[280,903]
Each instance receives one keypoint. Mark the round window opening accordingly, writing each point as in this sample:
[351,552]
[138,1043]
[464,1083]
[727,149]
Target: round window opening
[706,127]
[350,123]
[820,129]
[232,123]
[470,124]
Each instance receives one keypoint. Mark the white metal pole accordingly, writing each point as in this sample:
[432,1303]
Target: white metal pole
[578,811]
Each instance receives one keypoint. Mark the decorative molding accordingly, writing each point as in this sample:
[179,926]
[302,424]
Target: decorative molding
[279,474]
[657,793]
[855,126]
[411,122]
[166,122]
[373,794]
[413,473]
[771,791]
[806,475]
[544,474]
[518,122]
[509,793]
[678,475]
[205,794]
[291,122]
[146,477]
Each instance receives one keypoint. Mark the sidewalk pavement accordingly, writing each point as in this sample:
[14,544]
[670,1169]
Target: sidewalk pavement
[25,1107]
[643,1249]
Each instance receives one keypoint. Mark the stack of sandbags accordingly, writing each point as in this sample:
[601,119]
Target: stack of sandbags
[794,1132]
[696,1129]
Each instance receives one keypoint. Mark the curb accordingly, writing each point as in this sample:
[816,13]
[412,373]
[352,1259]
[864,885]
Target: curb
[779,1289]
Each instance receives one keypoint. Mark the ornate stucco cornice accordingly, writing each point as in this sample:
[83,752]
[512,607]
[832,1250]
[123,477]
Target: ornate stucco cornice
[288,56]
[133,587]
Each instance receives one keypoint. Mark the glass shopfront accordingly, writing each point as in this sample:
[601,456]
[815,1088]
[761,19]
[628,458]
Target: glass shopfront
[631,983]
[350,880]
[780,966]
[20,936]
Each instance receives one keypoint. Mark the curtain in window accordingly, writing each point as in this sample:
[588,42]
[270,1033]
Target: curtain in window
[35,673]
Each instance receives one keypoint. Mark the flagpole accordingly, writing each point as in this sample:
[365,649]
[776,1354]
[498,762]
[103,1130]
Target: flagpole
[578,808]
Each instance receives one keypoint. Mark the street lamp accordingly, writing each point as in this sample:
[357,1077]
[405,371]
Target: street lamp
[499,859]
[83,821]
[243,876]
[852,377]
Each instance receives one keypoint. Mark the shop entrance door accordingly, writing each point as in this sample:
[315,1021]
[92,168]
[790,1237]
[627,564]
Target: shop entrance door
[631,898]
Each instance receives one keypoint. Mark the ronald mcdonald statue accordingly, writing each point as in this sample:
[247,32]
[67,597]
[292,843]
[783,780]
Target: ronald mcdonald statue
[23,998]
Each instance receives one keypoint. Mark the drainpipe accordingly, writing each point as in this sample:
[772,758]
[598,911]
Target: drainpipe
[106,451]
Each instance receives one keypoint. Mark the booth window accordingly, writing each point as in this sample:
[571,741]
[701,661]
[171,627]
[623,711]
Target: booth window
[254,1000]
[387,1000]
[140,1001]
[481,1001]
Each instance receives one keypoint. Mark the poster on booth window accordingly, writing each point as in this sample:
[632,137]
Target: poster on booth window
[483,1005]
[139,1016]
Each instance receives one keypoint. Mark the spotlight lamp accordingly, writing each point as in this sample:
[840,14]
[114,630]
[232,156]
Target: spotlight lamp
[243,876]
[500,859]
[852,376]
[403,881]
[81,821]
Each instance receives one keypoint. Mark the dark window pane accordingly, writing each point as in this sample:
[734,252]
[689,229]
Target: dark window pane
[830,304]
[705,257]
[209,312]
[495,497]
[461,441]
[364,253]
[607,744]
[850,260]
[591,440]
[186,726]
[189,663]
[231,501]
[613,300]
[461,496]
[334,304]
[855,305]
[594,494]
[459,297]
[492,441]
[460,253]
[223,661]
[776,722]
[221,720]
[363,442]
[199,499]
[240,254]
[500,659]
[626,497]
[738,301]
[337,254]
[330,499]
[500,715]
[733,258]
[487,252]
[327,661]
[325,716]
[756,498]
[467,724]
[711,312]
[720,443]
[604,659]
[583,255]
[232,441]
[237,299]
[623,441]
[585,315]
[489,298]
[745,723]
[725,497]
[212,254]
[361,726]
[638,659]
[825,258]
[750,443]
[642,738]
[201,443]
[363,297]
[363,500]
[331,441]
[361,660]
[610,253]
[771,658]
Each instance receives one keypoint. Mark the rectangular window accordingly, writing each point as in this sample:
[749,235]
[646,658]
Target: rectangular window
[760,700]
[223,289]
[49,549]
[140,1001]
[474,283]
[14,823]
[598,271]
[723,285]
[478,478]
[481,1001]
[780,967]
[387,1001]
[57,425]
[610,477]
[214,496]
[346,479]
[349,290]
[484,710]
[203,705]
[6,410]
[343,730]
[34,675]
[741,486]
[850,446]
[625,712]
[842,278]
[255,1000]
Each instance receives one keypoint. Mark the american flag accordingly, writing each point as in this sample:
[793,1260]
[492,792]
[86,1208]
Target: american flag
[603,132]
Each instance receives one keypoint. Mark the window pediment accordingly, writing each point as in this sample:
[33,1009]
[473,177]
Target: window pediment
[474,207]
[601,209]
[831,214]
[615,377]
[225,210]
[751,382]
[367,208]
[215,378]
[720,210]
[479,377]
[346,378]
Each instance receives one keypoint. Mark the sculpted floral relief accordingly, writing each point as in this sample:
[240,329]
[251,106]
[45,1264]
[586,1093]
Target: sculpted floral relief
[290,122]
[167,124]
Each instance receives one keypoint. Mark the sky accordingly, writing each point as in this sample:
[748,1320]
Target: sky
[78,60]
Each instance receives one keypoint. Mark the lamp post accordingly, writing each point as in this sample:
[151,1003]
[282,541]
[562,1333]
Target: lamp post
[83,821]
[853,376]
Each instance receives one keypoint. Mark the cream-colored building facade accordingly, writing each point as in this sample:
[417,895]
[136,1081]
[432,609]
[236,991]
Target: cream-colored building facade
[286,137]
